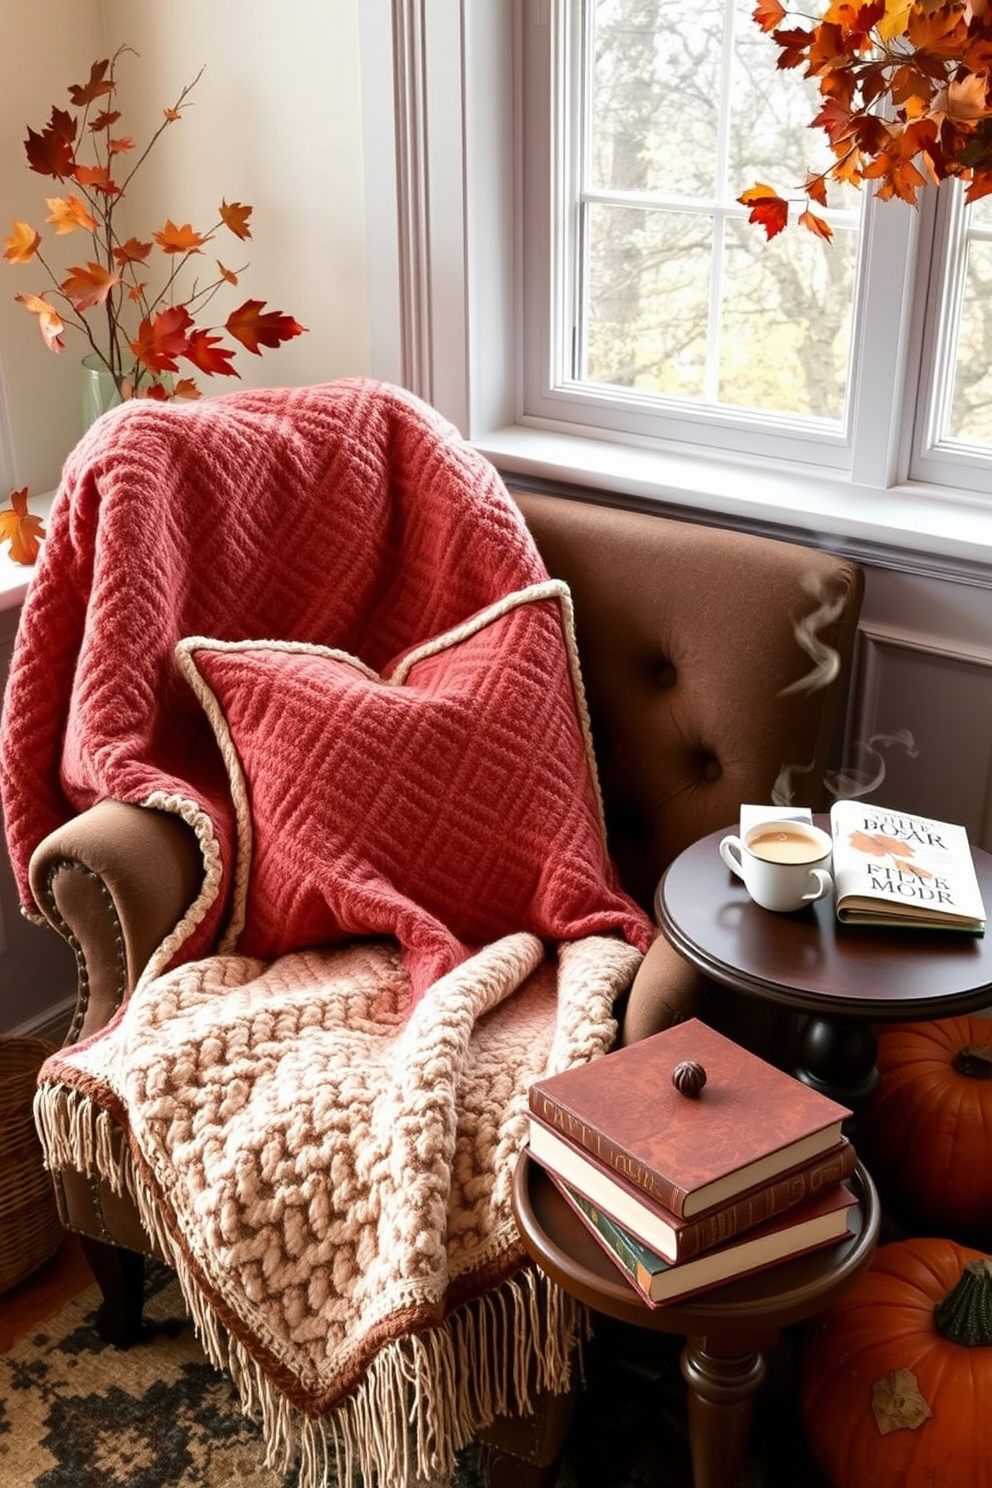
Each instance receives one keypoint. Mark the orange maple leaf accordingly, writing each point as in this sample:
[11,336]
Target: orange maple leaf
[22,245]
[20,528]
[234,216]
[980,185]
[185,387]
[50,322]
[816,225]
[962,99]
[185,239]
[172,114]
[815,188]
[68,213]
[120,145]
[228,274]
[207,354]
[936,28]
[23,531]
[766,208]
[163,338]
[88,286]
[768,14]
[895,172]
[97,176]
[248,325]
[133,251]
[98,85]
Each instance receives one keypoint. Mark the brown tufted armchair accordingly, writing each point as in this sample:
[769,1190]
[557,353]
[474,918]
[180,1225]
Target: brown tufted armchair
[687,640]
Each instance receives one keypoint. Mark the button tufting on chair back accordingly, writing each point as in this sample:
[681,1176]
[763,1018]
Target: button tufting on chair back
[684,634]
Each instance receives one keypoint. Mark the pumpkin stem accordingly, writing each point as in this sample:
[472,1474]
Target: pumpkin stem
[974,1060]
[965,1314]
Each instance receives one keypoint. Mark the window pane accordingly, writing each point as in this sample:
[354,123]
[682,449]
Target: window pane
[786,327]
[678,296]
[654,117]
[970,418]
[648,309]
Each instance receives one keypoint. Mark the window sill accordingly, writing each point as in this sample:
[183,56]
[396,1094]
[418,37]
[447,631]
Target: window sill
[912,528]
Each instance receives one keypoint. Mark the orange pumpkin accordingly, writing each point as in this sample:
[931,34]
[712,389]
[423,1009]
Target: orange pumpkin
[926,1134]
[890,1400]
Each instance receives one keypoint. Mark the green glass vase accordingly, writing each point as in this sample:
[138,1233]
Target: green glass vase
[99,391]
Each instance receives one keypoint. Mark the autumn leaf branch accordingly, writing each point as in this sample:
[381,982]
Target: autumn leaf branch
[145,334]
[907,99]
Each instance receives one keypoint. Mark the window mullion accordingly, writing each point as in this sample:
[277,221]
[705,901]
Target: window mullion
[880,390]
[719,216]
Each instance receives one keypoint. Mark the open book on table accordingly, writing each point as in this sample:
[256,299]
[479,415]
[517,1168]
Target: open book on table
[895,868]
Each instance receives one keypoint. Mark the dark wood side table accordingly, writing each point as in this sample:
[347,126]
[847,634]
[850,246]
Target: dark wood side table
[727,1330]
[846,978]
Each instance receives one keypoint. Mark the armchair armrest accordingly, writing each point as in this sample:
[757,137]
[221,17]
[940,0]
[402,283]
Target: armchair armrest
[113,882]
[665,990]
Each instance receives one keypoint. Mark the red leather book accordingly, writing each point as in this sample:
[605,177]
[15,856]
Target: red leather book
[820,1222]
[674,1237]
[749,1124]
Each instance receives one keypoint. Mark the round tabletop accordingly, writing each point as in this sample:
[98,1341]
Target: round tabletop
[762,1303]
[811,962]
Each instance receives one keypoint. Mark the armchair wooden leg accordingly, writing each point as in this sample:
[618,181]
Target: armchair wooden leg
[504,1470]
[120,1275]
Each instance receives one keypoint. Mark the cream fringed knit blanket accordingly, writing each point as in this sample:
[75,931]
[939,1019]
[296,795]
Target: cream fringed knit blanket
[312,623]
[331,1179]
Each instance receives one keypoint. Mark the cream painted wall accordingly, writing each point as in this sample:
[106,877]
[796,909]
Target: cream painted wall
[275,122]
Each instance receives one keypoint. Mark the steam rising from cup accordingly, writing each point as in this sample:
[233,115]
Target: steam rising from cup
[855,781]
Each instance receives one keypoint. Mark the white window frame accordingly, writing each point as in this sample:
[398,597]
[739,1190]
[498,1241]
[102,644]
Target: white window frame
[444,203]
[6,463]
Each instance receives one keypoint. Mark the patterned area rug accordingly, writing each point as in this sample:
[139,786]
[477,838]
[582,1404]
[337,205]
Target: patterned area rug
[77,1413]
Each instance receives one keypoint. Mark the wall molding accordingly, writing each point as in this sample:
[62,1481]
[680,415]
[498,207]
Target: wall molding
[940,692]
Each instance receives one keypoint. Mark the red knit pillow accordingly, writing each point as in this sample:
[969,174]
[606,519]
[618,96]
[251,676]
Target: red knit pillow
[448,802]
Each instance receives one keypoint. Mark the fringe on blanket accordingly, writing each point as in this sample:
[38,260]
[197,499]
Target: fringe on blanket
[423,1398]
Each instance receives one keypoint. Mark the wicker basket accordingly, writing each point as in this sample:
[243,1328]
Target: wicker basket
[30,1231]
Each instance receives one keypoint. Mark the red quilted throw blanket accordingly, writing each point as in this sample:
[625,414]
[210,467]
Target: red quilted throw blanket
[353,759]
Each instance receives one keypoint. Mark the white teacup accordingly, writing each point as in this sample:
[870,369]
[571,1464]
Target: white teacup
[784,864]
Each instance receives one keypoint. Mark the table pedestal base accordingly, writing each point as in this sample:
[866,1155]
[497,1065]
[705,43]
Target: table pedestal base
[720,1403]
[837,1057]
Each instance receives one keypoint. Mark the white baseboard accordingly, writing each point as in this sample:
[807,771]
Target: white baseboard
[51,1025]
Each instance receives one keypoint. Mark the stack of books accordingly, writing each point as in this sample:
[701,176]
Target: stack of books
[686,1191]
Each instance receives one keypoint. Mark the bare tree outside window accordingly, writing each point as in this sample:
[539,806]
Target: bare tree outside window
[682,299]
[970,420]
[678,297]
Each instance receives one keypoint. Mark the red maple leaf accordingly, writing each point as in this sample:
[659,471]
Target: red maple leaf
[766,208]
[50,153]
[206,353]
[163,338]
[248,325]
[97,86]
[104,120]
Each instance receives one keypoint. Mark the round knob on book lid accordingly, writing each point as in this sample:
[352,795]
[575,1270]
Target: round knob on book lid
[688,1077]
